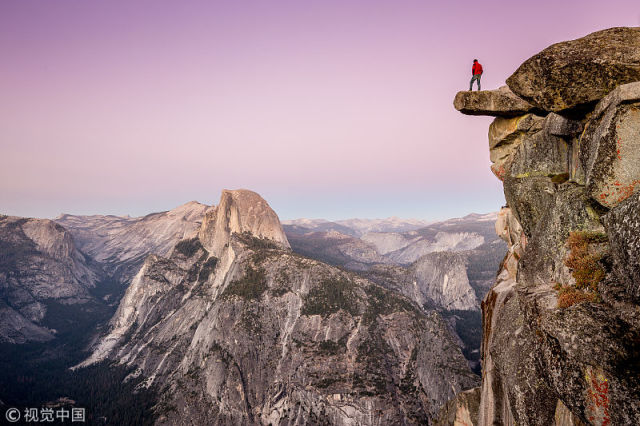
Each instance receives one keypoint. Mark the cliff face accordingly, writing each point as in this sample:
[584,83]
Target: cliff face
[39,263]
[440,278]
[121,243]
[233,328]
[239,212]
[561,326]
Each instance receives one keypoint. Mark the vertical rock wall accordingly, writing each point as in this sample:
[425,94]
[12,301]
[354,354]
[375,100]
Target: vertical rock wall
[561,338]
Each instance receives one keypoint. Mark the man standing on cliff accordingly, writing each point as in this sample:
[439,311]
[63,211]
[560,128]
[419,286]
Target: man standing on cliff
[476,72]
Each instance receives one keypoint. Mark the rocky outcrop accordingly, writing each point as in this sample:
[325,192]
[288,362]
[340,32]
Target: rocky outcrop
[440,279]
[623,229]
[121,243]
[561,325]
[238,212]
[461,411]
[39,263]
[575,74]
[500,102]
[610,146]
[234,328]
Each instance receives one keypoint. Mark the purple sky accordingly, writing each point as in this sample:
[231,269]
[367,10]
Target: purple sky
[331,108]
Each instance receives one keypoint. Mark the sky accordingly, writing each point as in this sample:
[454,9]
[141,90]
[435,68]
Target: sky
[328,109]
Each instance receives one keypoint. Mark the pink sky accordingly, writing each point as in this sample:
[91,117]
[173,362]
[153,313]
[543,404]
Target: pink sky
[328,109]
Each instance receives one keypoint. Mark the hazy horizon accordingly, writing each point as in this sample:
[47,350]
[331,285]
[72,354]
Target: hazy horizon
[286,219]
[328,109]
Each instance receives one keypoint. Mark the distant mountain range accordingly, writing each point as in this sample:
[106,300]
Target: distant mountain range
[447,266]
[235,328]
[121,243]
[397,241]
[223,307]
[358,227]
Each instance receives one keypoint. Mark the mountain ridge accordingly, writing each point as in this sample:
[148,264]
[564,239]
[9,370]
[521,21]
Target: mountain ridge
[274,337]
[122,242]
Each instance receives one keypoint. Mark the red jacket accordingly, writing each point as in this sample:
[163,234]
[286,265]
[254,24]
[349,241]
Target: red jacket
[476,69]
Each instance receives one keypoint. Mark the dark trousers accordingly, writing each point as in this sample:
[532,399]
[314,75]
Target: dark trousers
[476,77]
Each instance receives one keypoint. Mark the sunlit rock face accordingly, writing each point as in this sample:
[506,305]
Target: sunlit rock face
[121,243]
[561,325]
[238,212]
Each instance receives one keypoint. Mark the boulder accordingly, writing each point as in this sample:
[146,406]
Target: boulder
[569,77]
[623,229]
[610,146]
[497,103]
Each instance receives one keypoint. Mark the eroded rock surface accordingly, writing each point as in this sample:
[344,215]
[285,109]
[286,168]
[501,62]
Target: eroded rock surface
[610,146]
[571,226]
[39,262]
[573,75]
[499,103]
[463,410]
[440,279]
[623,226]
[234,328]
[121,243]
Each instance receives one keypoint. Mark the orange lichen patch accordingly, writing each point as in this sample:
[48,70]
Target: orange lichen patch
[584,263]
[569,296]
[623,167]
[618,192]
[597,391]
[627,190]
[499,171]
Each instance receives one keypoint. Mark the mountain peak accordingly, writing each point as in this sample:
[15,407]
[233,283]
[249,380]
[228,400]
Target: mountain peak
[240,211]
[192,209]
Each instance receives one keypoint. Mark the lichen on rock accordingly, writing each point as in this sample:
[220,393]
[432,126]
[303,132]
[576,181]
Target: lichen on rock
[561,326]
[569,77]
